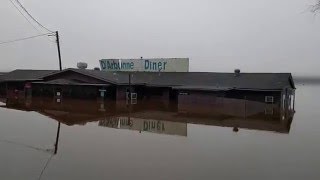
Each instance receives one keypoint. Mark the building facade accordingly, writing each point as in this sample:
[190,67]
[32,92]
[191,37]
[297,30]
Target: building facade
[203,93]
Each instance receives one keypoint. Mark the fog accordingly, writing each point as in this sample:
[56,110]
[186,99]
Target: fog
[217,35]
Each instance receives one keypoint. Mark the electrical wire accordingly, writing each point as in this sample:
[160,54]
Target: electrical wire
[27,146]
[25,10]
[37,149]
[45,166]
[26,38]
[25,16]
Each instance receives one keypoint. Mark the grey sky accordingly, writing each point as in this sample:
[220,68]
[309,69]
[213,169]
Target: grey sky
[217,35]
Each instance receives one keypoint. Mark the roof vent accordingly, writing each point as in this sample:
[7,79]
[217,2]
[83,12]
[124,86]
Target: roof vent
[82,65]
[237,72]
[96,69]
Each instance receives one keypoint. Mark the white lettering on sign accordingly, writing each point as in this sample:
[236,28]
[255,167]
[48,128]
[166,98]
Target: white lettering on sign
[138,124]
[146,65]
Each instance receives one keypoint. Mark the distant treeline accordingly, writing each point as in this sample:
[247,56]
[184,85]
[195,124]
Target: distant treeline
[306,80]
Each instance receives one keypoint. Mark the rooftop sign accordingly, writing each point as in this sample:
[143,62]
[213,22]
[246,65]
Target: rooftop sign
[146,65]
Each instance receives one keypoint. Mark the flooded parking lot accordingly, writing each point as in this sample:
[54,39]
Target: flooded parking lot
[96,143]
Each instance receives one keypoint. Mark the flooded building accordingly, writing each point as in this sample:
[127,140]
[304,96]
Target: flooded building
[201,92]
[2,87]
[17,83]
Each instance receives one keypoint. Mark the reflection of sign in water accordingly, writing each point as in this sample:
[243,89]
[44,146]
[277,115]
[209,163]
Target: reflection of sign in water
[155,126]
[111,122]
[147,65]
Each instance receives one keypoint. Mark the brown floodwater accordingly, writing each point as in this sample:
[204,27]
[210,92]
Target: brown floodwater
[158,144]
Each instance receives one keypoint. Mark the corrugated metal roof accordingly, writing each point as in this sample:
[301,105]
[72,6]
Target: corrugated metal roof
[68,82]
[26,75]
[202,88]
[1,75]
[200,80]
[261,81]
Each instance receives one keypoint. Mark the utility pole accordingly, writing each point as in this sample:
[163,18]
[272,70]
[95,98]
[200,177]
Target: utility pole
[129,95]
[60,67]
[130,84]
[57,139]
[59,53]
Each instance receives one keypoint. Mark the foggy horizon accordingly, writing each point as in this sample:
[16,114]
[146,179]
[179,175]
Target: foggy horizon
[217,36]
[103,89]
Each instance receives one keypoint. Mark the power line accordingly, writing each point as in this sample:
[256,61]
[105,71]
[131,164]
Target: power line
[25,16]
[26,146]
[45,166]
[37,22]
[32,16]
[22,39]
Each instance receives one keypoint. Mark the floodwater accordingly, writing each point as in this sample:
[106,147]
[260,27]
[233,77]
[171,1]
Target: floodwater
[159,145]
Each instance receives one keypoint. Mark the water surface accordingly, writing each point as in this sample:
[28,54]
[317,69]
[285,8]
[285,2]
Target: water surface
[107,149]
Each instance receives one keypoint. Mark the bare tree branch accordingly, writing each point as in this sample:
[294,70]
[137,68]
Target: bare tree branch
[315,8]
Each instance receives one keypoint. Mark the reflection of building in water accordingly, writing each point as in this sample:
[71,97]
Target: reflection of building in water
[147,125]
[157,102]
[67,111]
[232,112]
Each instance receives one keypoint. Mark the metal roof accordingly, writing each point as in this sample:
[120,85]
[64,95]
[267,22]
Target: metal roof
[68,82]
[1,75]
[196,80]
[206,80]
[202,88]
[25,75]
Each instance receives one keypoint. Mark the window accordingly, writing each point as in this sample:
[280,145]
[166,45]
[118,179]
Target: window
[268,110]
[133,98]
[102,92]
[133,95]
[269,99]
[183,93]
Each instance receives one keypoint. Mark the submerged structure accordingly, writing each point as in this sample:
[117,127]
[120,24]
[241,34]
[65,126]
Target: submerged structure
[156,83]
[156,95]
[189,92]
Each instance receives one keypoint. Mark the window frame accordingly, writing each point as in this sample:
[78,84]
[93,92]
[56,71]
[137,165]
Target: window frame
[269,99]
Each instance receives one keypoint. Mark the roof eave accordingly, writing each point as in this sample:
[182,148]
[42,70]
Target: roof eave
[292,82]
[21,80]
[90,75]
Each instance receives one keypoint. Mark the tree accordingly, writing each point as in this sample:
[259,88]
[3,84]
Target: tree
[315,8]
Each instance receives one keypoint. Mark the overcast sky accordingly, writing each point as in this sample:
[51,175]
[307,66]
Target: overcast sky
[217,35]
